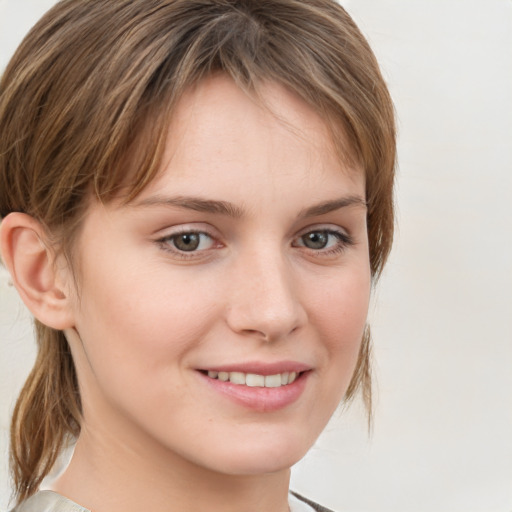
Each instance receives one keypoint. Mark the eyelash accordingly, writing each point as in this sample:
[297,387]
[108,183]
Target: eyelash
[166,243]
[344,240]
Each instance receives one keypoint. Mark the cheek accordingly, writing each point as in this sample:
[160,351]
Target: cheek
[339,314]
[139,324]
[140,294]
[340,307]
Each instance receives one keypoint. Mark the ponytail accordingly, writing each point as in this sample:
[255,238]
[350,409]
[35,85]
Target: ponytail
[46,415]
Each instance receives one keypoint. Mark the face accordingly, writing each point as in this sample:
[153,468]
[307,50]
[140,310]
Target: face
[221,312]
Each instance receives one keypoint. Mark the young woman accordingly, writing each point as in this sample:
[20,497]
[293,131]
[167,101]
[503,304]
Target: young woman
[195,197]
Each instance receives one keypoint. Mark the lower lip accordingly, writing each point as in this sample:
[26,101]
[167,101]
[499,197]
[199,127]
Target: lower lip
[258,398]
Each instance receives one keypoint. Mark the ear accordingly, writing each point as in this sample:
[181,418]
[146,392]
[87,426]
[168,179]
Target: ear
[41,283]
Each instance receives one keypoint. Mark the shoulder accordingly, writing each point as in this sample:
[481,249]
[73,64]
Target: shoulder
[315,506]
[48,501]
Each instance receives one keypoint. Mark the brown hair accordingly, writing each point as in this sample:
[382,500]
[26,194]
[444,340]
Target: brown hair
[84,107]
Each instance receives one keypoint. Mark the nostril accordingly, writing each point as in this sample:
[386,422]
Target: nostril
[257,333]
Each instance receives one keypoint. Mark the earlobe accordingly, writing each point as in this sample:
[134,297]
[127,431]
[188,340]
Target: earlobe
[31,263]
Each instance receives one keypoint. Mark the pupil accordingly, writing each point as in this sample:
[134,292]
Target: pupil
[187,242]
[315,240]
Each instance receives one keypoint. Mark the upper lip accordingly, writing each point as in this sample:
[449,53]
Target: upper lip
[260,367]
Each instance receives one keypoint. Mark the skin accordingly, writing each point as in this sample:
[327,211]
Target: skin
[148,317]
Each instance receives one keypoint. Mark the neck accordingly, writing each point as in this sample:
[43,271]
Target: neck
[106,474]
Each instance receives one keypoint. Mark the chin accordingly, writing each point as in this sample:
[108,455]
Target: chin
[259,456]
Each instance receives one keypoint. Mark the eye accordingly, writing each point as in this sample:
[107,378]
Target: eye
[316,239]
[324,240]
[187,241]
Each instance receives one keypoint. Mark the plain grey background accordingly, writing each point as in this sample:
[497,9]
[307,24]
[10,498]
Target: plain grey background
[442,314]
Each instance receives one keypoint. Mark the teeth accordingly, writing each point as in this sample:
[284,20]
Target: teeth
[273,381]
[237,377]
[255,380]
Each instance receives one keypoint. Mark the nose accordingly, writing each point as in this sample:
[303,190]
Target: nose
[265,301]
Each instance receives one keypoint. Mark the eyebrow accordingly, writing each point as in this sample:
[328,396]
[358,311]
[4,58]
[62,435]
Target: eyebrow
[330,206]
[194,203]
[229,209]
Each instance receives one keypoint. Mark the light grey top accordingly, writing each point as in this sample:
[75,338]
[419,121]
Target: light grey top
[50,501]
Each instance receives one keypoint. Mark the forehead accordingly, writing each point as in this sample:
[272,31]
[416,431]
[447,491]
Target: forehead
[219,131]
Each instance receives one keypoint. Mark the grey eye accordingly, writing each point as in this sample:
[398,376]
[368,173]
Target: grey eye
[187,241]
[315,239]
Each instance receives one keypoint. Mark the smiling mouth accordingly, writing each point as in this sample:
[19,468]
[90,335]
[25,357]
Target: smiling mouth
[254,380]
